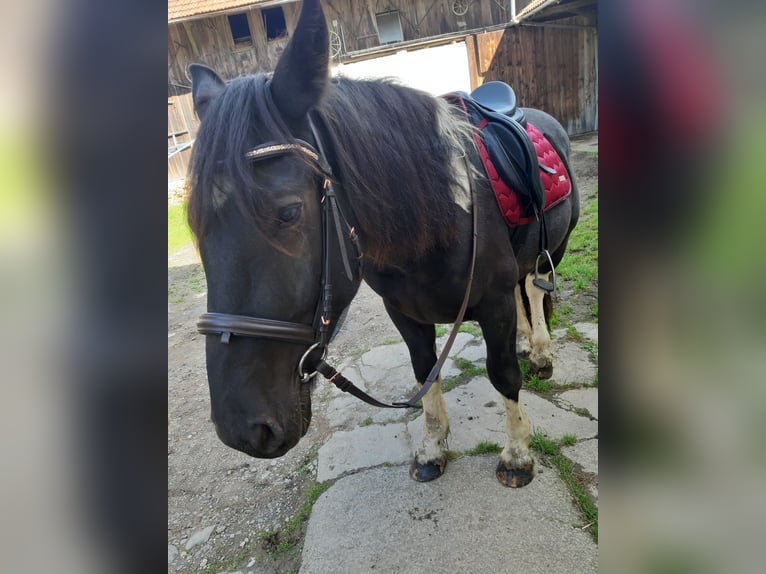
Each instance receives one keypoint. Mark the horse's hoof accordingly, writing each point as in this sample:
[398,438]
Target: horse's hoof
[542,372]
[427,471]
[514,477]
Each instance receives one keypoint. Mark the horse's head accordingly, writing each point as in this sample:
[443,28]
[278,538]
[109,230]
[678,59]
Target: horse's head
[257,211]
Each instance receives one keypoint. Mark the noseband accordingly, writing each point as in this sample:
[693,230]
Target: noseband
[318,333]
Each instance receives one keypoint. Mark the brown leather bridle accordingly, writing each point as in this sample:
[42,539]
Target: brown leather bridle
[318,333]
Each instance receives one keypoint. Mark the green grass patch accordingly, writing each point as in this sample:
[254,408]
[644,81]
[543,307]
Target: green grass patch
[580,263]
[280,541]
[583,412]
[470,328]
[179,233]
[392,340]
[569,440]
[484,447]
[366,422]
[467,371]
[592,349]
[594,311]
[559,315]
[537,384]
[524,368]
[451,383]
[541,443]
[551,451]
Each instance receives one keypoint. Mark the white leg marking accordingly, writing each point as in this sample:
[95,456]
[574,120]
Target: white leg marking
[516,452]
[540,354]
[523,328]
[436,425]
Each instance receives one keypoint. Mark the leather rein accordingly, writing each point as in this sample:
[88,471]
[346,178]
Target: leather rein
[317,334]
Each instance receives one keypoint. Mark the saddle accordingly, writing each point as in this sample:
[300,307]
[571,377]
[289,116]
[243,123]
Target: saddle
[511,150]
[508,148]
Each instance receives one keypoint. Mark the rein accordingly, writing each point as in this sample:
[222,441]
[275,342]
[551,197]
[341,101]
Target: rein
[317,335]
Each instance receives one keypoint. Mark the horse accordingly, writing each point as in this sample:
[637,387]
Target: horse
[302,186]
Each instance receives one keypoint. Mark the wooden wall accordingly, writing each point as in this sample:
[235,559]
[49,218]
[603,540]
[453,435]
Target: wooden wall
[550,68]
[208,40]
[419,18]
[183,124]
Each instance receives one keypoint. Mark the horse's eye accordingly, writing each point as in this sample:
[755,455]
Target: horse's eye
[290,213]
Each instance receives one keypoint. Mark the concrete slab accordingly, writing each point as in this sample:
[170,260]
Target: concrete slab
[585,454]
[582,398]
[363,447]
[477,413]
[555,422]
[588,330]
[571,364]
[475,351]
[382,521]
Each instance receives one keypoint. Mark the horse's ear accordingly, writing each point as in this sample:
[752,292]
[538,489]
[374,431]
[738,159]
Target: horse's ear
[206,86]
[302,73]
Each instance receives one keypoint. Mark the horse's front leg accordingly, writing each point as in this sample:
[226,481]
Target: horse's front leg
[497,317]
[431,459]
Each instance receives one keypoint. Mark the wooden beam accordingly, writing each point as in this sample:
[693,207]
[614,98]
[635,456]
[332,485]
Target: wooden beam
[195,49]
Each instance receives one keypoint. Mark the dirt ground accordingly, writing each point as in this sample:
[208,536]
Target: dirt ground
[242,498]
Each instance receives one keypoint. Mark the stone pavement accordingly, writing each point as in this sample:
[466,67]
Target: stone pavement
[374,518]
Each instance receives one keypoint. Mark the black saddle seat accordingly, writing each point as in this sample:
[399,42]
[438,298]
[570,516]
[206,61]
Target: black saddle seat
[500,97]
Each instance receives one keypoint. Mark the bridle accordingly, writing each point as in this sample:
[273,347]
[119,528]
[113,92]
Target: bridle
[318,333]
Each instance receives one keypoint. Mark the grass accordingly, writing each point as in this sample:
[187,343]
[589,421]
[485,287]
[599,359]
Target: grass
[284,539]
[569,440]
[559,315]
[541,443]
[537,384]
[179,233]
[467,371]
[366,422]
[484,447]
[551,451]
[580,263]
[592,349]
[470,328]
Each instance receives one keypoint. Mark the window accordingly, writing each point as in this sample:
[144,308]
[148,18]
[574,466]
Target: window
[274,22]
[240,30]
[389,27]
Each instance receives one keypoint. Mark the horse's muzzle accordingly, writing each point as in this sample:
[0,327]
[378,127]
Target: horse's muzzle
[263,438]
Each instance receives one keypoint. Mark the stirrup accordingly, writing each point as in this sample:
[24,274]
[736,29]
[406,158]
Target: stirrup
[546,286]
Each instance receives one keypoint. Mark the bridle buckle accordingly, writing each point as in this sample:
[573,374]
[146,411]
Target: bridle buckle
[304,376]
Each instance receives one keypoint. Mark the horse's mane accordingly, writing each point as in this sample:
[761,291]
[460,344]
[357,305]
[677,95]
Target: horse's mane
[392,149]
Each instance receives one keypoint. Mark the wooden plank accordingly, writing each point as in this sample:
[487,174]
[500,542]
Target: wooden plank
[553,69]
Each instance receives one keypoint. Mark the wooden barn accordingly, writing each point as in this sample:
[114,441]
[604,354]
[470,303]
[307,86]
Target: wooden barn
[546,49]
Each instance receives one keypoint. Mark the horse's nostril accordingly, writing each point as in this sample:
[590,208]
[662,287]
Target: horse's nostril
[266,436]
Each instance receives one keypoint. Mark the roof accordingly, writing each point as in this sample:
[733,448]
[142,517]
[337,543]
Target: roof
[179,10]
[547,10]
